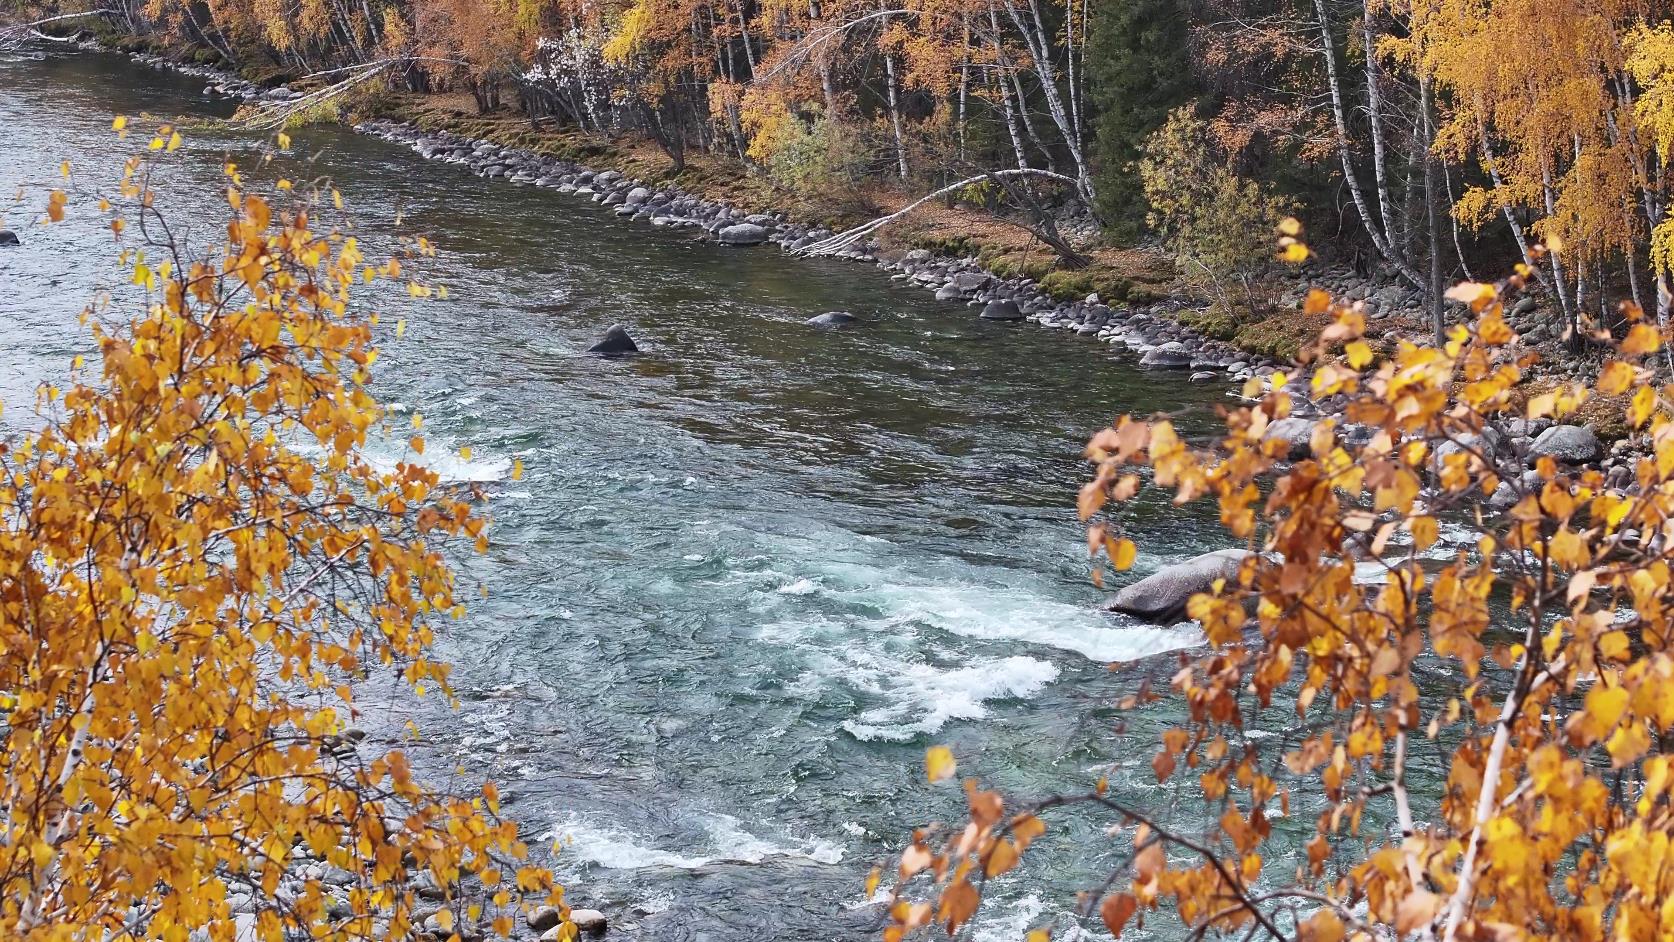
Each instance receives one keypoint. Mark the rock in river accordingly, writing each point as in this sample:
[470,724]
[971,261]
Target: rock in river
[8,237]
[831,320]
[544,918]
[745,233]
[1004,309]
[590,921]
[1162,596]
[615,341]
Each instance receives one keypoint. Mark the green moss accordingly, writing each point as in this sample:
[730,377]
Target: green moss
[1214,321]
[1280,336]
[1074,285]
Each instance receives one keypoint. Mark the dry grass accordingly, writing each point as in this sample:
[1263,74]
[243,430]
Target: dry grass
[1006,249]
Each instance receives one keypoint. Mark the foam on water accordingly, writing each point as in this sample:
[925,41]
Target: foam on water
[726,842]
[922,698]
[1002,614]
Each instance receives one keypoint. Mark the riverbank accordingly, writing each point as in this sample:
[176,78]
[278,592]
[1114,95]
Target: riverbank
[1125,297]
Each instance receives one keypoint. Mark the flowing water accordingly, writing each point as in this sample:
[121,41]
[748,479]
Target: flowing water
[747,577]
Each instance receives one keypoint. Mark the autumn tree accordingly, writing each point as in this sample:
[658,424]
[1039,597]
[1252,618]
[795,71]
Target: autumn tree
[1527,653]
[199,569]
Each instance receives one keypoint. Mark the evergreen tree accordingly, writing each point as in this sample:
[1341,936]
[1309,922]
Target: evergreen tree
[1138,71]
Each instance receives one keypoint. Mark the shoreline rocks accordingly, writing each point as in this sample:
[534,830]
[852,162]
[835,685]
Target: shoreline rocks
[8,237]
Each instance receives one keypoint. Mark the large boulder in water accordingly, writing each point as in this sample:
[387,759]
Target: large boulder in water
[1575,444]
[8,237]
[831,320]
[745,233]
[1003,309]
[1162,596]
[615,342]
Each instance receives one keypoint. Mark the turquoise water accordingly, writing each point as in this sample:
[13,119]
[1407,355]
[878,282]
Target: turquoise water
[746,578]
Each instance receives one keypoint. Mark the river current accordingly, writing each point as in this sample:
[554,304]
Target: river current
[747,577]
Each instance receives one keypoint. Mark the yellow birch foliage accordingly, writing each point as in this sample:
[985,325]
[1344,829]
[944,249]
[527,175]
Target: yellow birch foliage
[1532,654]
[198,565]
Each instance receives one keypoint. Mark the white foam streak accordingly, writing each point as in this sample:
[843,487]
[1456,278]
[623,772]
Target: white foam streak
[727,842]
[923,698]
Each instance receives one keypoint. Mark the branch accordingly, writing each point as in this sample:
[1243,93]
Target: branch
[14,34]
[842,240]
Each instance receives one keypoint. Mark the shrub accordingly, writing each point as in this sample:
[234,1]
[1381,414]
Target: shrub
[1217,224]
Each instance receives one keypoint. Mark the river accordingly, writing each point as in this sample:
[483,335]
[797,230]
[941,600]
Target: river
[747,577]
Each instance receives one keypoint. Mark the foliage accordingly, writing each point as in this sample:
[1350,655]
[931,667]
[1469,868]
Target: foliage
[1532,653]
[1214,221]
[806,158]
[201,567]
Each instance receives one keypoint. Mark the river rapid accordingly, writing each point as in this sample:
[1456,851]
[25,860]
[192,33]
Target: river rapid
[747,577]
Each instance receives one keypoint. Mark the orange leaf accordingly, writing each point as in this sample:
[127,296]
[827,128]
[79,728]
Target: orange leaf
[1116,910]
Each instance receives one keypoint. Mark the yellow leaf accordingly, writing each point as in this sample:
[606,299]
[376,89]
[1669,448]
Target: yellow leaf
[1605,705]
[1641,338]
[939,763]
[1124,555]
[1358,353]
[465,452]
[120,124]
[517,469]
[174,141]
[1290,226]
[1615,378]
[284,140]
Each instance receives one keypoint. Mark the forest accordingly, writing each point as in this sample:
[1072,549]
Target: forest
[1401,134]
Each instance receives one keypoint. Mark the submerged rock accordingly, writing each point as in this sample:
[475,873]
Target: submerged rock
[1162,596]
[1004,309]
[831,320]
[8,237]
[615,341]
[744,233]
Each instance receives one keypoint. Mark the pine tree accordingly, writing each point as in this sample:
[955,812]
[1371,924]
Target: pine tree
[1139,71]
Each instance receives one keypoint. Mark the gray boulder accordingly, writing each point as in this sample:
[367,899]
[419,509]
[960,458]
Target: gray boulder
[8,237]
[744,233]
[1486,444]
[1575,444]
[590,921]
[831,320]
[1003,309]
[615,342]
[1297,433]
[544,918]
[1162,596]
[637,195]
[1172,355]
